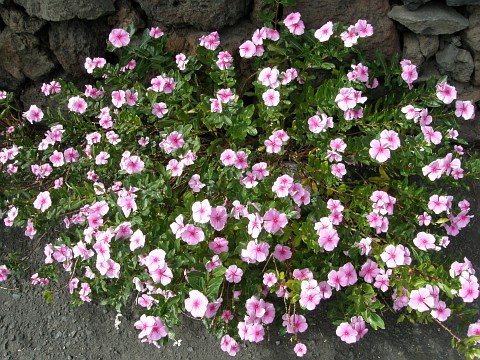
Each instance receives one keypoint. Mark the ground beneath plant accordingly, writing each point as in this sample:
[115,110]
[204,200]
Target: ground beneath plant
[31,329]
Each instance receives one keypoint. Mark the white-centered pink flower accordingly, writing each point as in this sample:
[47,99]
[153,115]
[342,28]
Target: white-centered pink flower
[196,303]
[119,38]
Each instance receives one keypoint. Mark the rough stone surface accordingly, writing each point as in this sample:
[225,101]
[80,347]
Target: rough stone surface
[431,19]
[22,57]
[60,10]
[7,81]
[456,62]
[259,6]
[411,49]
[385,38]
[20,22]
[462,2]
[471,36]
[125,15]
[72,41]
[207,15]
[414,4]
[428,45]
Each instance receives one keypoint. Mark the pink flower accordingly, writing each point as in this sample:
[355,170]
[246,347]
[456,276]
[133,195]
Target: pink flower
[379,150]
[118,98]
[159,109]
[328,239]
[34,114]
[195,184]
[369,271]
[233,274]
[339,170]
[241,160]
[282,252]
[363,28]
[196,303]
[421,300]
[274,221]
[346,333]
[215,106]
[393,256]
[218,245]
[192,235]
[218,217]
[181,61]
[137,240]
[269,279]
[438,204]
[409,74]
[346,99]
[269,77]
[155,32]
[255,252]
[175,167]
[43,201]
[77,104]
[295,323]
[324,33]
[349,37]
[271,97]
[464,109]
[201,211]
[228,157]
[119,38]
[229,345]
[469,290]
[300,349]
[4,271]
[317,125]
[247,49]
[441,312]
[446,93]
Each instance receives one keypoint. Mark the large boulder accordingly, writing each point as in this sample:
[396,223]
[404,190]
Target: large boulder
[414,4]
[430,19]
[72,41]
[206,15]
[471,38]
[60,10]
[22,56]
[385,38]
[456,62]
[20,22]
[462,2]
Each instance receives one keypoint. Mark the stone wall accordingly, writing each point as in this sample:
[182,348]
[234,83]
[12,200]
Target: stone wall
[44,39]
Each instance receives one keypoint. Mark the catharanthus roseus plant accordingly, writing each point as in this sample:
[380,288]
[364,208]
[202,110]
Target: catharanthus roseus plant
[318,179]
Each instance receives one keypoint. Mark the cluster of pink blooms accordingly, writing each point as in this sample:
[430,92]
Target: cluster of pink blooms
[284,185]
[152,328]
[275,141]
[11,215]
[92,64]
[337,147]
[319,123]
[35,279]
[446,165]
[361,29]
[155,262]
[294,23]
[327,235]
[259,313]
[353,331]
[131,164]
[465,274]
[254,47]
[224,96]
[380,149]
[428,298]
[347,100]
[210,41]
[77,104]
[224,61]
[382,204]
[162,84]
[53,87]
[52,136]
[360,73]
[313,292]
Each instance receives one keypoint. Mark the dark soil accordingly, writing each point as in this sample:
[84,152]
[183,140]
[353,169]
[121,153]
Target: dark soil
[31,329]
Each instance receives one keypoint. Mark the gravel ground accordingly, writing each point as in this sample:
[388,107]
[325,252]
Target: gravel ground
[30,329]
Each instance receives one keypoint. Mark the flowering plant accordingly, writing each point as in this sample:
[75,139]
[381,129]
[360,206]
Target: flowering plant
[177,182]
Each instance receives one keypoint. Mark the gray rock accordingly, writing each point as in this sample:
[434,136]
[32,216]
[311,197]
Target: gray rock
[72,41]
[411,48]
[385,38]
[431,19]
[7,81]
[125,15]
[458,63]
[462,2]
[206,15]
[471,36]
[22,57]
[414,4]
[60,10]
[428,45]
[20,22]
